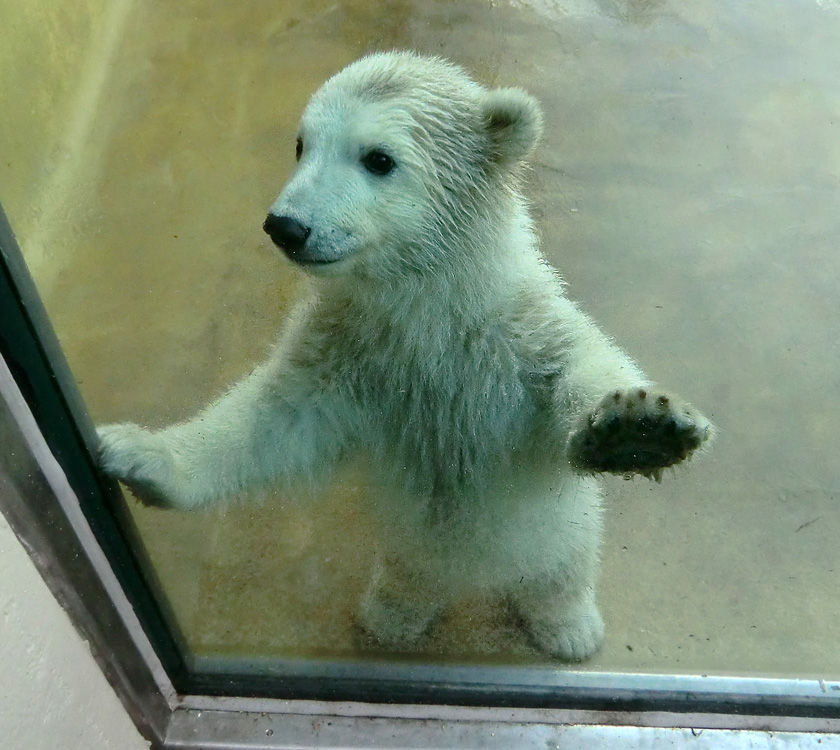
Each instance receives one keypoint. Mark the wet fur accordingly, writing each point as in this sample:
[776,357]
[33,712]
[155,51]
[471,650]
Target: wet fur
[441,349]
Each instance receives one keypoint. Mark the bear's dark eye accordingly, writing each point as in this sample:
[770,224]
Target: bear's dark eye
[378,163]
[298,148]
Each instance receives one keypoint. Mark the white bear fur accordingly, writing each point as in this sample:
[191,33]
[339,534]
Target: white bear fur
[437,345]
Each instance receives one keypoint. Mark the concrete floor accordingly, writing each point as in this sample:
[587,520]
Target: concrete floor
[688,187]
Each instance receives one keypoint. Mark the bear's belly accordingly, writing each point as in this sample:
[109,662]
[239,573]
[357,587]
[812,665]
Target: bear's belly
[526,522]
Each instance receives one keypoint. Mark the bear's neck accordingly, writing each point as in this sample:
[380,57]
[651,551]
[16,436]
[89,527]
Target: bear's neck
[475,271]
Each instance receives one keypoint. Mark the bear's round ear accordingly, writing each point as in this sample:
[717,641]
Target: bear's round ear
[513,121]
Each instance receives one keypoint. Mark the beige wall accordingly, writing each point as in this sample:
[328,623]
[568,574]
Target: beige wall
[54,61]
[53,693]
[45,47]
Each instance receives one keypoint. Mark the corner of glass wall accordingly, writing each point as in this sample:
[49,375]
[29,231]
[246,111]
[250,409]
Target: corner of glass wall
[65,512]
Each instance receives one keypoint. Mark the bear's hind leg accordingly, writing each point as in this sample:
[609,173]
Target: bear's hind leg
[399,607]
[561,621]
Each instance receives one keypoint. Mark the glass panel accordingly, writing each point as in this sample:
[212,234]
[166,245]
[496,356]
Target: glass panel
[686,186]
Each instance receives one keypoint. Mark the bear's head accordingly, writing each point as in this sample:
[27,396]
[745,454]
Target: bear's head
[404,164]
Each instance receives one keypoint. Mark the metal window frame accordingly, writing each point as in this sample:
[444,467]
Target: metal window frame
[76,526]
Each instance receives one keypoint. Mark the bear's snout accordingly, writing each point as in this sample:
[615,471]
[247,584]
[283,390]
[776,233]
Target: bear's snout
[287,233]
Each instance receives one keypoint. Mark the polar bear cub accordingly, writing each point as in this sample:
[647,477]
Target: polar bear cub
[439,348]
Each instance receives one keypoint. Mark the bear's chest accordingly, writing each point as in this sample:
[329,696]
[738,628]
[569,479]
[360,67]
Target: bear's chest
[444,410]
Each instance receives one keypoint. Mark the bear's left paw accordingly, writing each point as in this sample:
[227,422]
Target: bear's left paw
[637,432]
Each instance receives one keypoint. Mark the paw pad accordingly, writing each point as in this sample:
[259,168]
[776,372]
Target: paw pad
[631,433]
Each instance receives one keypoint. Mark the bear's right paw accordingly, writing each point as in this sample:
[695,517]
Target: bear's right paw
[139,458]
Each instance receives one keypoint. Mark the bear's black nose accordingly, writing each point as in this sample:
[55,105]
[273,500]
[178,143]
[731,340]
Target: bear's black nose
[286,232]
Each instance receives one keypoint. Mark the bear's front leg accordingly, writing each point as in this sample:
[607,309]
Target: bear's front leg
[637,431]
[277,425]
